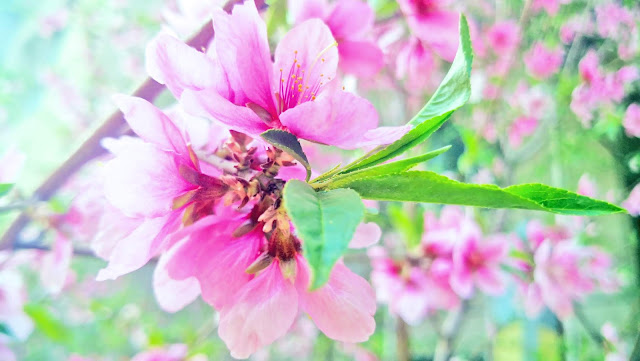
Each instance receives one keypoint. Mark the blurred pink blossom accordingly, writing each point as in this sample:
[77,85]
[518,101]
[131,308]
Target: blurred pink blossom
[550,6]
[631,121]
[632,203]
[433,23]
[350,21]
[415,64]
[543,62]
[503,36]
[586,186]
[521,127]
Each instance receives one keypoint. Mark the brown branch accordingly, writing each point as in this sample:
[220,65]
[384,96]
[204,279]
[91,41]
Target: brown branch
[76,251]
[114,126]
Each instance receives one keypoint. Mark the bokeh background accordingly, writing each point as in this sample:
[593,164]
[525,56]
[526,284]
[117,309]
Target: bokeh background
[62,60]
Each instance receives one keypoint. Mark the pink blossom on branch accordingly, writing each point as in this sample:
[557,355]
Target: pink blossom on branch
[240,86]
[543,62]
[631,120]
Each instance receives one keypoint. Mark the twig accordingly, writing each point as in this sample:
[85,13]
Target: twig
[593,333]
[91,148]
[449,332]
[402,340]
[41,247]
[635,353]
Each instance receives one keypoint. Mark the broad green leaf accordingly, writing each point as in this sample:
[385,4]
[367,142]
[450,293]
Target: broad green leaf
[290,144]
[5,188]
[47,323]
[395,167]
[429,187]
[453,92]
[325,222]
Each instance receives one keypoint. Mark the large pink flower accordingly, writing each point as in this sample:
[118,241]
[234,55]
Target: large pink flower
[152,181]
[349,21]
[241,87]
[631,121]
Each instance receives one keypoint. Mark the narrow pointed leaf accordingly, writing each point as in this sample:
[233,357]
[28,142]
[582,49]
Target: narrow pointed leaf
[325,222]
[429,187]
[290,144]
[394,167]
[453,92]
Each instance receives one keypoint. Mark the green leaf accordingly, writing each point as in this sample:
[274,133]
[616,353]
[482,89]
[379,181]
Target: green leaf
[453,92]
[290,144]
[47,323]
[429,187]
[395,167]
[325,222]
[410,226]
[5,188]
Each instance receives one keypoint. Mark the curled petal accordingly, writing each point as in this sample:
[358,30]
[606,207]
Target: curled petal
[177,65]
[343,308]
[263,311]
[350,19]
[172,295]
[151,124]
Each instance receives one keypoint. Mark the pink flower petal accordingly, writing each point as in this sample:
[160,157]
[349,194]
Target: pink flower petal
[343,308]
[209,104]
[361,58]
[324,119]
[350,19]
[135,250]
[242,48]
[151,124]
[367,234]
[215,258]
[171,62]
[172,295]
[144,180]
[263,311]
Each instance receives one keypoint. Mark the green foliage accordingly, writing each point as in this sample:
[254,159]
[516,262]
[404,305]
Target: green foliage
[453,92]
[409,225]
[325,221]
[290,144]
[5,188]
[47,323]
[429,187]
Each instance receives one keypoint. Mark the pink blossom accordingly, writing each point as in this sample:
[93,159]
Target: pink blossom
[476,263]
[566,272]
[632,203]
[522,127]
[240,86]
[589,67]
[586,186]
[543,62]
[402,287]
[576,25]
[631,121]
[349,21]
[55,268]
[550,6]
[434,24]
[415,64]
[503,36]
